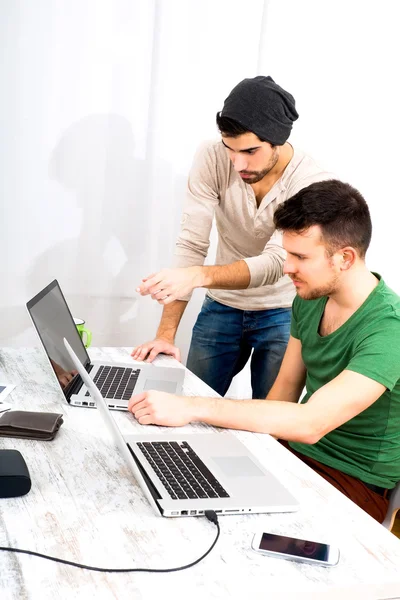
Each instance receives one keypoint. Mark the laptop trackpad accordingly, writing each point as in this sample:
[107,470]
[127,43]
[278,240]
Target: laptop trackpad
[161,386]
[237,466]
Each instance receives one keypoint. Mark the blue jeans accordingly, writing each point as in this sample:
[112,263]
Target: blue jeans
[222,341]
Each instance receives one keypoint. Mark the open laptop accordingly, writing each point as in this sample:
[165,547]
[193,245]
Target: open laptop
[184,475]
[53,321]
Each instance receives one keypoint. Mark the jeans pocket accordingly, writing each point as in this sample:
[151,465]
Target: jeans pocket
[208,302]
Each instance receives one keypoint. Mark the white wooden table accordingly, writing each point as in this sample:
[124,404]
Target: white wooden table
[85,506]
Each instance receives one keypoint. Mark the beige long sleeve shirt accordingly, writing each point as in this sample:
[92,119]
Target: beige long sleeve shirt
[245,231]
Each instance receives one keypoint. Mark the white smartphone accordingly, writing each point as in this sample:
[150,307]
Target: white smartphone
[290,548]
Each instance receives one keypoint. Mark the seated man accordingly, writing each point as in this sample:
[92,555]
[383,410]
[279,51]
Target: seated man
[344,346]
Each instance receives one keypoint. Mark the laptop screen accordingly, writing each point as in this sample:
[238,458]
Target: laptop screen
[53,321]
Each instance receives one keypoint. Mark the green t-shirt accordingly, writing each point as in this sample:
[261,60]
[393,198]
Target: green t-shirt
[367,446]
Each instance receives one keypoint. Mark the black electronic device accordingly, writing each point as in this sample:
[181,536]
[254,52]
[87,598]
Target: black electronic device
[14,475]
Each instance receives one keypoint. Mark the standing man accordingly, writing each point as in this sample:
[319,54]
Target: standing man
[344,347]
[241,180]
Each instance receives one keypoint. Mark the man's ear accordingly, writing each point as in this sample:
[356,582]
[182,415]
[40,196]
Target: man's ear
[349,256]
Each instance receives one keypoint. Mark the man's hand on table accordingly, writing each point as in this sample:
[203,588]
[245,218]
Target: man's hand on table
[160,408]
[171,284]
[150,350]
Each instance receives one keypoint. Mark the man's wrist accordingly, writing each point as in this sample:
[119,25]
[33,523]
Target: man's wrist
[204,277]
[165,337]
[201,409]
[198,277]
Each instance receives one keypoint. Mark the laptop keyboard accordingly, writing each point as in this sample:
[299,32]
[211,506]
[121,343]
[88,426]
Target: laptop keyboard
[116,382]
[181,471]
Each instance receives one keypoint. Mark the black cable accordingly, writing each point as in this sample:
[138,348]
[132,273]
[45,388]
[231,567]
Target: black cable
[210,514]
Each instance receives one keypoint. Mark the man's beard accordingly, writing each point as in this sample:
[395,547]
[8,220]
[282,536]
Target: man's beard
[324,290]
[256,176]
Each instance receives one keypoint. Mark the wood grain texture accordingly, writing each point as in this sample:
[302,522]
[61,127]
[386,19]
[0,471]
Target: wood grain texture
[85,506]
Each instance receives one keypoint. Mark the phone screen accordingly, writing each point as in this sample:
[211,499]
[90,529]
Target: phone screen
[294,547]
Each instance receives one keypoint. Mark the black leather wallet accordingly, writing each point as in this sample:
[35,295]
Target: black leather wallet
[30,425]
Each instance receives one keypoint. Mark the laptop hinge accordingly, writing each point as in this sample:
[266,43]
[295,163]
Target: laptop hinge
[153,490]
[75,385]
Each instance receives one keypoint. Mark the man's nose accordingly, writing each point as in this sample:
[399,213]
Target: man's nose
[288,267]
[239,162]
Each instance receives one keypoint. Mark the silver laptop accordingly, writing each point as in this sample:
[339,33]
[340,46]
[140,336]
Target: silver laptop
[53,321]
[184,475]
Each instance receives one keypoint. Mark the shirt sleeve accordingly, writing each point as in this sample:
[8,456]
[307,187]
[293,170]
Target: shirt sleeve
[201,200]
[202,197]
[294,332]
[267,268]
[378,354]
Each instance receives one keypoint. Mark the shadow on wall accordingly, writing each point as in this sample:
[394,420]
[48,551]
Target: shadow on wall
[121,230]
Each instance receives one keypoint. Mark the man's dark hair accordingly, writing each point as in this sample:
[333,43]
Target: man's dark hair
[338,208]
[231,128]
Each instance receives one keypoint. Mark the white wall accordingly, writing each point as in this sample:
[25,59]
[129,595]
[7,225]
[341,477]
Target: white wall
[104,102]
[341,61]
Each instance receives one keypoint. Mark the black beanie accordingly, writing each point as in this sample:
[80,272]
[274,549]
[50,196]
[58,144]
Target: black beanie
[263,107]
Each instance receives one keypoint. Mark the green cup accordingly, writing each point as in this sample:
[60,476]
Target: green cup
[86,335]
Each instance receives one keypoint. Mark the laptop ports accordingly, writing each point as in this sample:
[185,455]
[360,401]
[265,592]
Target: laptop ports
[184,512]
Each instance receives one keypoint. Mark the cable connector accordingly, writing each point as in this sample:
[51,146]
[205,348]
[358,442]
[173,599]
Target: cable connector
[211,516]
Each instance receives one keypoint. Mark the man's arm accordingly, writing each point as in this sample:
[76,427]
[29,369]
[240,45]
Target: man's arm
[255,271]
[168,285]
[234,414]
[292,375]
[171,317]
[332,405]
[164,341]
